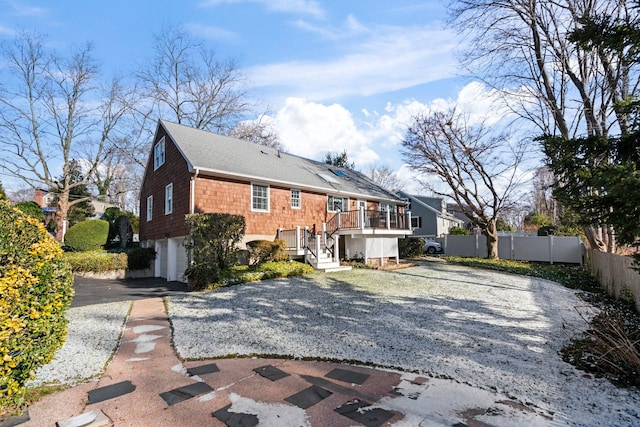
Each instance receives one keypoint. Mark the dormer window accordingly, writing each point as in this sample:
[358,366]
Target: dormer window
[158,154]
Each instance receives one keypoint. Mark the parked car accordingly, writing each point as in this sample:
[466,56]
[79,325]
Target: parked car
[432,247]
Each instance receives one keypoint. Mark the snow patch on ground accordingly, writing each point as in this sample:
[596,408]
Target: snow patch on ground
[497,332]
[269,414]
[432,404]
[93,334]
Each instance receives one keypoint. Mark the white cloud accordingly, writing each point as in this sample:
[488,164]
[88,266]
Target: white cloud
[309,7]
[311,130]
[389,59]
[24,10]
[211,33]
[350,27]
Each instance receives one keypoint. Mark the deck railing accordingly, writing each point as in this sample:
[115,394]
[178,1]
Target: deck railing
[363,219]
[300,237]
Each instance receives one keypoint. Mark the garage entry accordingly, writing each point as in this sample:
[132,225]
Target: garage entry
[171,259]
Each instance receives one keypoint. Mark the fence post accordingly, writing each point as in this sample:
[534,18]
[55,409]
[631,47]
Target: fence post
[513,250]
[477,246]
[551,249]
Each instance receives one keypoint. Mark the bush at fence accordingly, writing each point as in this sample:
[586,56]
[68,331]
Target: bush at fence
[410,247]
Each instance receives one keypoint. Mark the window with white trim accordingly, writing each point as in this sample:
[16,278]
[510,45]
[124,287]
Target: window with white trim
[416,222]
[259,198]
[158,154]
[149,208]
[337,204]
[295,199]
[168,199]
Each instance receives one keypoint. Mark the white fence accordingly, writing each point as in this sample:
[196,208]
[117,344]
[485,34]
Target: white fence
[549,249]
[614,273]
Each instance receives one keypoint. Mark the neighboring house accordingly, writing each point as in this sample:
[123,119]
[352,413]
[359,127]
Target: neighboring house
[45,199]
[323,212]
[100,207]
[429,215]
[455,210]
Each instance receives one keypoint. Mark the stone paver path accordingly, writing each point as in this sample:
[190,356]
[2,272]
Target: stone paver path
[147,385]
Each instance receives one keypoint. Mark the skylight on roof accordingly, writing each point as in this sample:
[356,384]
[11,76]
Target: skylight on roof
[339,173]
[328,178]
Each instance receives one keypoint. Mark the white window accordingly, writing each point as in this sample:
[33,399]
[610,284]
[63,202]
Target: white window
[158,154]
[416,222]
[295,199]
[337,204]
[168,199]
[149,208]
[383,207]
[259,198]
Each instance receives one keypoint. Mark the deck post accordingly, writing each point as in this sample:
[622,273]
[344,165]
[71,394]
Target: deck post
[361,217]
[336,248]
[317,251]
[388,215]
[297,238]
[324,234]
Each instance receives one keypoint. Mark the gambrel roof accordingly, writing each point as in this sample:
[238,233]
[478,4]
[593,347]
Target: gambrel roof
[207,153]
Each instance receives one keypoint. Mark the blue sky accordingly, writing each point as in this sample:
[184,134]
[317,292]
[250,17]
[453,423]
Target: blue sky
[333,75]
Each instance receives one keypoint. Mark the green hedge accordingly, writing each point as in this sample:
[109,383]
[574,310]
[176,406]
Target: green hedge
[101,261]
[87,235]
[36,288]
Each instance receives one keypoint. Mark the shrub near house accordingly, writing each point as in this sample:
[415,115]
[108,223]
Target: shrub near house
[36,287]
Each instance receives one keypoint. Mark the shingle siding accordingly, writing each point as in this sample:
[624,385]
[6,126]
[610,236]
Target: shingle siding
[174,170]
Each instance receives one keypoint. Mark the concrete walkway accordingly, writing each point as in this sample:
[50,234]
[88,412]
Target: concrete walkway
[145,384]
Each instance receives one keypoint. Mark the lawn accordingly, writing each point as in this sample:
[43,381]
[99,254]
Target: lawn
[496,331]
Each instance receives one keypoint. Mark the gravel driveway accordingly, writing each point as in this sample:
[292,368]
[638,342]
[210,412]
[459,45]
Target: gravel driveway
[491,330]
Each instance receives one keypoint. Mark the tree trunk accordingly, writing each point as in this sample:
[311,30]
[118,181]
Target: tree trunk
[594,237]
[491,233]
[61,215]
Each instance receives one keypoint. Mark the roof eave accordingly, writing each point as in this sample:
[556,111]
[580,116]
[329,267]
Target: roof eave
[296,185]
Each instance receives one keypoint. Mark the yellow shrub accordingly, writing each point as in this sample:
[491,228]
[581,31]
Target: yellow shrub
[36,287]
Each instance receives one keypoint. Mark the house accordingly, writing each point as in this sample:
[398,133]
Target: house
[324,213]
[100,207]
[429,215]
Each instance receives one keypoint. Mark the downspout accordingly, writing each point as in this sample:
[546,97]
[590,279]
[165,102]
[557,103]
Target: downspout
[192,203]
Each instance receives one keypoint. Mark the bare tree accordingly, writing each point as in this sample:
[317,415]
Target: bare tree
[385,177]
[478,167]
[52,112]
[259,131]
[186,82]
[544,202]
[566,89]
[523,49]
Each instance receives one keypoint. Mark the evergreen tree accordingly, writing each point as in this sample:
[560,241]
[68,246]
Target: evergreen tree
[598,177]
[340,160]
